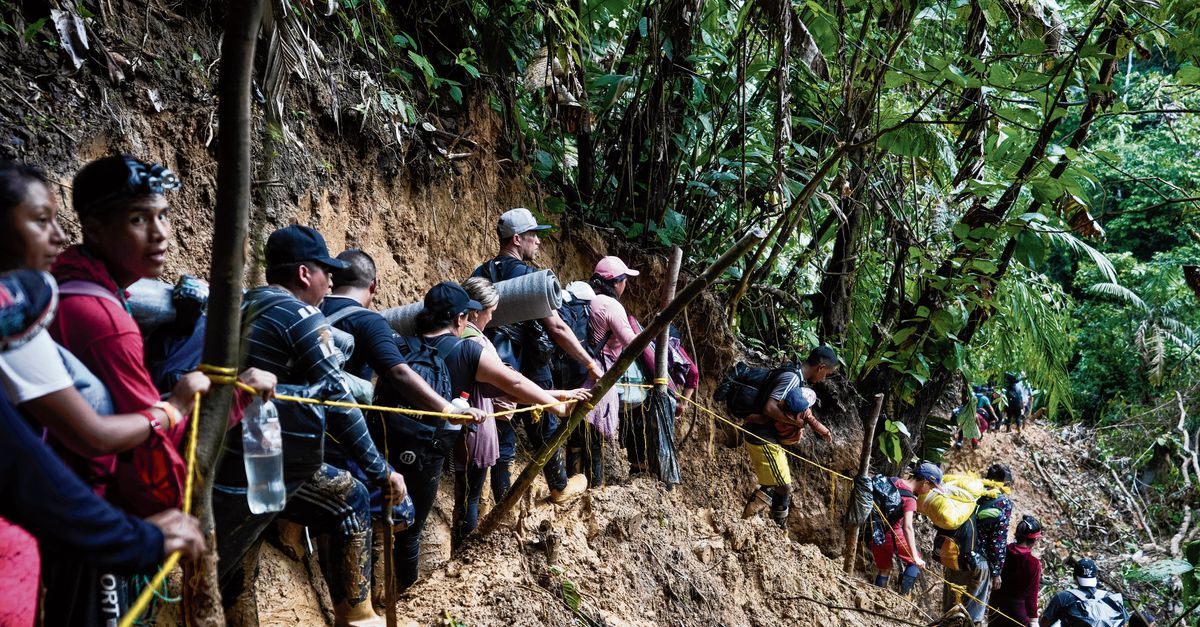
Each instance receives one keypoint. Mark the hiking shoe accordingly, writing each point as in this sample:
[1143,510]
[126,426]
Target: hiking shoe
[758,503]
[576,486]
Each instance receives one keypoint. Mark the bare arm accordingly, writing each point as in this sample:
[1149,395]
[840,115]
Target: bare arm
[73,421]
[81,429]
[514,384]
[415,389]
[910,537]
[820,429]
[566,340]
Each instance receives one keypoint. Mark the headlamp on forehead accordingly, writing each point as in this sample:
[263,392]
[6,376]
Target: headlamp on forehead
[150,178]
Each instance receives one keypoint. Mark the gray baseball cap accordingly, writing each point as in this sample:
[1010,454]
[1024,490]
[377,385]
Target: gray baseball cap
[518,221]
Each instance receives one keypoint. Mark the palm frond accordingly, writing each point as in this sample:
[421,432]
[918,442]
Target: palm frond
[1119,292]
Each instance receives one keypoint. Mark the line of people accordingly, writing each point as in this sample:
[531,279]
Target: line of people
[113,405]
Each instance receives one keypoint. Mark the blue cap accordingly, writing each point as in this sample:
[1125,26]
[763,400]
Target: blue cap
[449,297]
[928,471]
[297,244]
[795,401]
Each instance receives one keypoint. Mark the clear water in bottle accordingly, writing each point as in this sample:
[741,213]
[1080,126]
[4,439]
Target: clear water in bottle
[262,451]
[264,478]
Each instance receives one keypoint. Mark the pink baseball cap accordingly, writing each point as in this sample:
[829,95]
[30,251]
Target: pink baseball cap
[612,267]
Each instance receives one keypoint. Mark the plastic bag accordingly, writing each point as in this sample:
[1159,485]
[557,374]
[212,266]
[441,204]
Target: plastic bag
[947,506]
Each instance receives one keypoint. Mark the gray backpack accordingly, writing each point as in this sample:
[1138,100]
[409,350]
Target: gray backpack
[1096,609]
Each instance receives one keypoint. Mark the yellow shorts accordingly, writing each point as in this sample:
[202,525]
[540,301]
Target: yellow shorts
[770,464]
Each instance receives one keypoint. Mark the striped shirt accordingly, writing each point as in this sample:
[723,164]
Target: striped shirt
[292,340]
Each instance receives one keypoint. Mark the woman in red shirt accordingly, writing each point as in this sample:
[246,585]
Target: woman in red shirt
[1021,579]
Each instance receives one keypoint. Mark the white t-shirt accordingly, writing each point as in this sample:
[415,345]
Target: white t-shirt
[33,370]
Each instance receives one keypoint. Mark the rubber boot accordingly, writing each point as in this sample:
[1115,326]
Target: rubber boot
[758,503]
[780,506]
[881,581]
[378,574]
[355,608]
[576,486]
[909,579]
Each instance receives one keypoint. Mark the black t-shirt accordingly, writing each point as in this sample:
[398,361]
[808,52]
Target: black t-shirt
[374,344]
[462,359]
[507,267]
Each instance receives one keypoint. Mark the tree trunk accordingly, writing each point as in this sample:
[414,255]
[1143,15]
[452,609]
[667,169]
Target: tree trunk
[202,596]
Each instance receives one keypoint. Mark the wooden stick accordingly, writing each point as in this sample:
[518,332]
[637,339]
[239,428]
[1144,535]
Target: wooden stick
[202,595]
[639,343]
[864,468]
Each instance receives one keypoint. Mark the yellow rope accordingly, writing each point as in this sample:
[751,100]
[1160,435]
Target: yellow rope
[233,380]
[143,600]
[764,440]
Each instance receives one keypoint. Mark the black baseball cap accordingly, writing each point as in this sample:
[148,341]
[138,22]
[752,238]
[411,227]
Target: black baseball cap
[1085,573]
[297,244]
[450,297]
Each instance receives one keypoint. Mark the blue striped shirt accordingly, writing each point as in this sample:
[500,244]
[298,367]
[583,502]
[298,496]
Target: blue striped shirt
[293,341]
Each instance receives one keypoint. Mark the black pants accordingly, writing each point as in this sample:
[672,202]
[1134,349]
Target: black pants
[586,451]
[418,451]
[636,437]
[539,433]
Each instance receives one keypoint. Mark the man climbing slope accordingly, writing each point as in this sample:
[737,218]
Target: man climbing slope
[532,345]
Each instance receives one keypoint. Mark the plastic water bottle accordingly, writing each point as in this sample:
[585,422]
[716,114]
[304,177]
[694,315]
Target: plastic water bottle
[462,403]
[262,450]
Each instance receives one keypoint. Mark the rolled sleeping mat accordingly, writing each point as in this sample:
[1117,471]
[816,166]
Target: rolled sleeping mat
[530,297]
[403,320]
[151,304]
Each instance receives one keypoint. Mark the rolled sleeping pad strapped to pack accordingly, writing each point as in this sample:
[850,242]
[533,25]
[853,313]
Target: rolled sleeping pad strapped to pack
[530,297]
[151,304]
[403,320]
[975,485]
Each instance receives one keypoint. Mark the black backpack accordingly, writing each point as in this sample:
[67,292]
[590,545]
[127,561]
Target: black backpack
[524,346]
[425,358]
[746,389]
[568,373]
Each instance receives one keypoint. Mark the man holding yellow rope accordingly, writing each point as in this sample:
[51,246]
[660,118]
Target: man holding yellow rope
[287,335]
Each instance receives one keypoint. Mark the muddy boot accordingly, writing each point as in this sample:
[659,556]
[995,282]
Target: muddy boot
[292,542]
[758,503]
[351,575]
[378,573]
[779,517]
[361,615]
[576,486]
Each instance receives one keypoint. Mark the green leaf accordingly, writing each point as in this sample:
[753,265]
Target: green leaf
[1030,250]
[425,66]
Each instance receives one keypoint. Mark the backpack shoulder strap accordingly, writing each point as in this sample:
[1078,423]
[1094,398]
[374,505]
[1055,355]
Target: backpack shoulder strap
[88,288]
[261,308]
[343,313]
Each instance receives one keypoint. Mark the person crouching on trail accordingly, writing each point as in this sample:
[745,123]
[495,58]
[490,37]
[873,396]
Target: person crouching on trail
[780,421]
[900,540]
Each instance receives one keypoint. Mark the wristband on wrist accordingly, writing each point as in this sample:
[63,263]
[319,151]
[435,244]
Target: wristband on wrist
[172,412]
[155,423]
